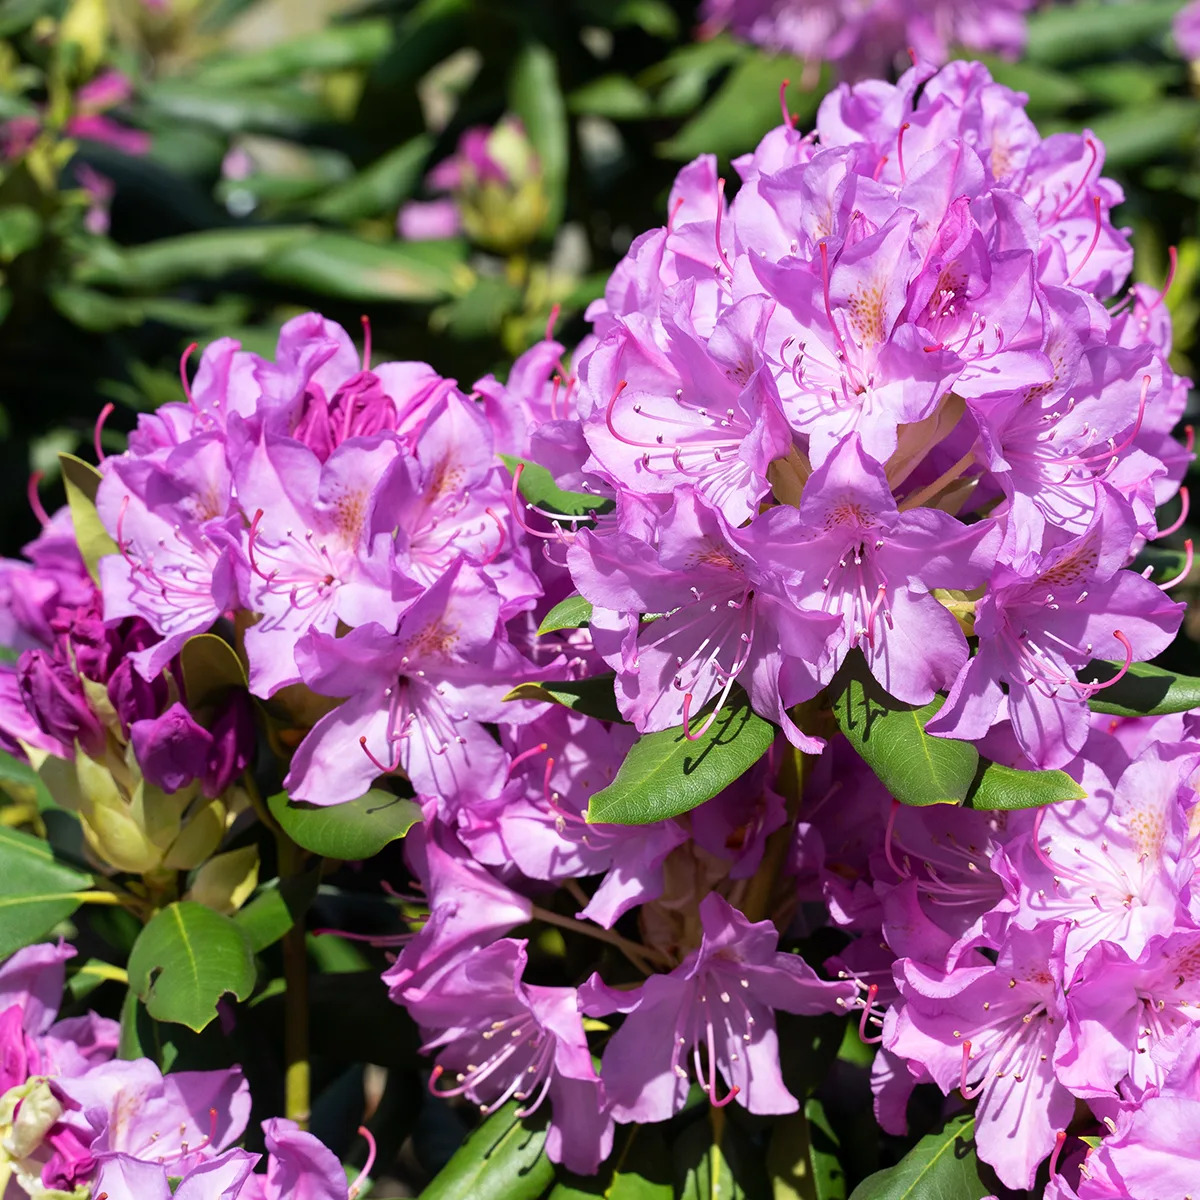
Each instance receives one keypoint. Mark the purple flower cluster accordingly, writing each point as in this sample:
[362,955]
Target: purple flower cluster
[865,38]
[75,1121]
[888,406]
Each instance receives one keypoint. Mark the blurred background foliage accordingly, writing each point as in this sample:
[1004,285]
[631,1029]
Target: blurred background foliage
[176,170]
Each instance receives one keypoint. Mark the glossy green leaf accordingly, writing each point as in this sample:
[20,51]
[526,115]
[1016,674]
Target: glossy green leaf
[20,781]
[941,1166]
[535,96]
[539,489]
[802,1157]
[745,108]
[614,96]
[683,77]
[890,737]
[20,230]
[1144,690]
[729,1167]
[352,831]
[37,892]
[350,268]
[503,1159]
[155,266]
[665,774]
[1135,136]
[378,188]
[593,697]
[81,481]
[572,613]
[265,919]
[211,668]
[186,959]
[639,1168]
[999,787]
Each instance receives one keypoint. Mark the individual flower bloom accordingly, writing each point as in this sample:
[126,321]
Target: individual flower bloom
[90,120]
[179,1120]
[170,515]
[945,855]
[873,567]
[990,1030]
[451,498]
[537,823]
[428,220]
[417,697]
[311,559]
[468,909]
[702,410]
[500,1038]
[719,1004]
[727,617]
[126,1177]
[1115,871]
[1041,621]
[233,743]
[1123,1012]
[299,1166]
[1186,28]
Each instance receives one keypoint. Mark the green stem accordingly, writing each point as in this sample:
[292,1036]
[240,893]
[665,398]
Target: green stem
[297,1076]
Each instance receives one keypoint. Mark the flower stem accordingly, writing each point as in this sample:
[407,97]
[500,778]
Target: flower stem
[297,1075]
[642,957]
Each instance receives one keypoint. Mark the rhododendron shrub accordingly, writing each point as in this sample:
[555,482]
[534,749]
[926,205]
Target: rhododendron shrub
[766,675]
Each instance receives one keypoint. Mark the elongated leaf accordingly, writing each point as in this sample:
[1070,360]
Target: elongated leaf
[1144,691]
[890,737]
[1081,31]
[802,1158]
[20,781]
[280,109]
[571,613]
[539,489]
[358,829]
[81,481]
[350,268]
[535,96]
[211,668]
[265,919]
[592,697]
[379,187]
[716,1160]
[186,959]
[503,1159]
[941,1166]
[665,774]
[210,254]
[37,891]
[1000,787]
[639,1168]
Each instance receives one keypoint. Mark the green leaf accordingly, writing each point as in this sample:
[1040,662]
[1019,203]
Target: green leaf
[22,783]
[352,831]
[265,919]
[1135,136]
[1144,690]
[941,1165]
[614,96]
[572,613]
[665,774]
[38,891]
[1000,787]
[501,1160]
[683,77]
[378,188]
[890,737]
[332,48]
[186,959]
[715,1159]
[593,697]
[20,230]
[1048,91]
[539,489]
[156,266]
[211,669]
[802,1157]
[639,1168]
[1077,32]
[285,110]
[535,96]
[351,268]
[82,481]
[745,108]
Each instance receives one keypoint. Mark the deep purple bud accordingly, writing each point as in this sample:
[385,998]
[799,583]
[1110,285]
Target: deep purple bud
[93,645]
[232,743]
[135,698]
[172,750]
[54,697]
